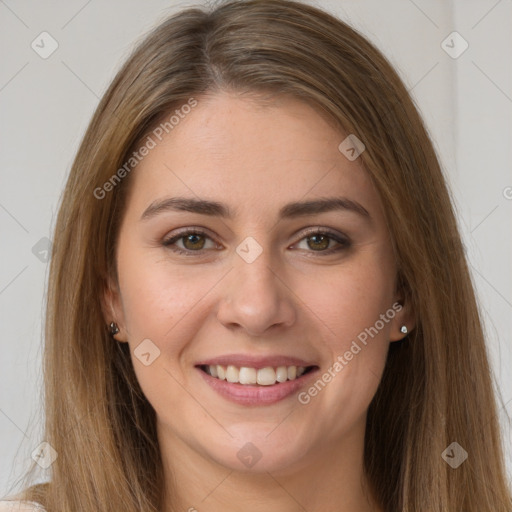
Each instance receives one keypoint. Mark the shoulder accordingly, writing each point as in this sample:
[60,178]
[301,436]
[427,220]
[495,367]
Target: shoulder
[20,506]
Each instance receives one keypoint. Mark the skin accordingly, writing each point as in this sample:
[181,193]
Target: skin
[292,300]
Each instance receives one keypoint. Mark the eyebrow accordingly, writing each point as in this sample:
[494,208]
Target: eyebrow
[289,211]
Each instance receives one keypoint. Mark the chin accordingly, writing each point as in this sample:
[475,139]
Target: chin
[253,450]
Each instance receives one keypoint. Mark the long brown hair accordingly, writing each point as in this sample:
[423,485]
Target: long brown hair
[436,388]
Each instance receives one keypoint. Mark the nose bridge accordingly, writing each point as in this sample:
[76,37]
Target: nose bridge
[255,297]
[254,266]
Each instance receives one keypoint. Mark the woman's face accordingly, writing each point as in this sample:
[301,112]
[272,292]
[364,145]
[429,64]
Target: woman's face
[253,288]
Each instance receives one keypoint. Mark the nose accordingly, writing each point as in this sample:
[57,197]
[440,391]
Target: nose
[255,297]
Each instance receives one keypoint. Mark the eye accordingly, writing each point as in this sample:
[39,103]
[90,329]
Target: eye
[193,240]
[319,240]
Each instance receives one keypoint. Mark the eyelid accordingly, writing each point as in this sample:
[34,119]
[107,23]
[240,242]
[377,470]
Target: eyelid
[325,231]
[189,230]
[343,241]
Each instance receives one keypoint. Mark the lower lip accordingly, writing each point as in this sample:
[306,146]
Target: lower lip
[245,394]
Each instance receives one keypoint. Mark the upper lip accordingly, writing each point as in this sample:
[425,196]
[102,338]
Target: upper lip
[241,360]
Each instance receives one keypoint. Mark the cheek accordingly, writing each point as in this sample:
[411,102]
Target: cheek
[162,303]
[353,314]
[350,299]
[158,297]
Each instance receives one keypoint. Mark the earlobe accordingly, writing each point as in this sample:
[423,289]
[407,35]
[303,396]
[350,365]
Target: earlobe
[114,328]
[112,311]
[403,322]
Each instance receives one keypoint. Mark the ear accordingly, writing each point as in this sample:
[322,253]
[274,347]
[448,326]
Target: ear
[112,308]
[404,315]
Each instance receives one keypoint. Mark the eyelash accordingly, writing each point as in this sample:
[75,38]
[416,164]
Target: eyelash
[343,241]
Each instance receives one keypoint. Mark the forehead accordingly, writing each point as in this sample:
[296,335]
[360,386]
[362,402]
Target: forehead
[253,156]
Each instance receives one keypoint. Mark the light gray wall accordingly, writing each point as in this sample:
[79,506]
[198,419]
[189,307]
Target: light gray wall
[47,103]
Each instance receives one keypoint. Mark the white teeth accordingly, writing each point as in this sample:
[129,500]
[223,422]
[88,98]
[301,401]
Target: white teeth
[232,374]
[292,372]
[281,374]
[247,375]
[264,376]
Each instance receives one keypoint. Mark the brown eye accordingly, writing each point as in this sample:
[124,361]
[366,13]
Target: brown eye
[193,241]
[318,242]
[189,242]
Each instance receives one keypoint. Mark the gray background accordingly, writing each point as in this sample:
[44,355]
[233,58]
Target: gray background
[47,103]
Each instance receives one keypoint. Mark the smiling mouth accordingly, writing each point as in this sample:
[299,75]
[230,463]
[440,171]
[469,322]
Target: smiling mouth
[267,376]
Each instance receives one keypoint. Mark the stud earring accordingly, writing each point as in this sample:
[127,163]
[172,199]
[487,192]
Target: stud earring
[403,329]
[114,329]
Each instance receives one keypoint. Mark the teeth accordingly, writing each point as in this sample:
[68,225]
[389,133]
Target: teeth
[232,374]
[247,375]
[281,374]
[264,376]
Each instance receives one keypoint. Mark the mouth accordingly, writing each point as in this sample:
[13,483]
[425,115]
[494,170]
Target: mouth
[247,376]
[257,385]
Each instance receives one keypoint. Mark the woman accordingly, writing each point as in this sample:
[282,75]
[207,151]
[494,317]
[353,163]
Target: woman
[258,294]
